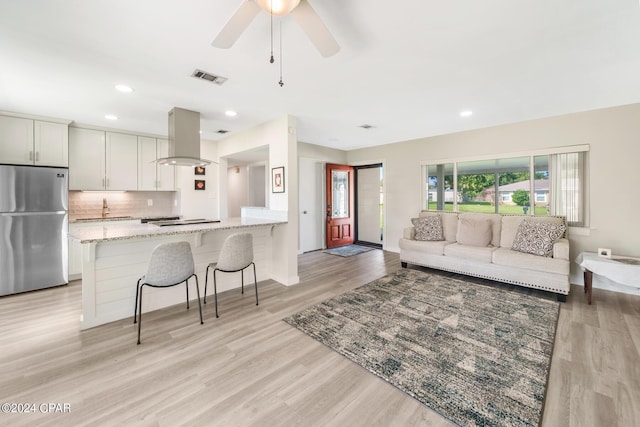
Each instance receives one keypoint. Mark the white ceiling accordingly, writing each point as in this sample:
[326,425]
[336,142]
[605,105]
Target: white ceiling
[407,68]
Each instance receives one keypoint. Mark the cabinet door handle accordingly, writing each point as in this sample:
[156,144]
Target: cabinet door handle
[37,156]
[107,182]
[30,155]
[103,183]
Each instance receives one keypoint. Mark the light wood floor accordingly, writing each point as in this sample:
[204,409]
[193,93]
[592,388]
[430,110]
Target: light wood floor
[248,368]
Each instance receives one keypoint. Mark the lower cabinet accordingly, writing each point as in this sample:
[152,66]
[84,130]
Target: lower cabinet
[75,260]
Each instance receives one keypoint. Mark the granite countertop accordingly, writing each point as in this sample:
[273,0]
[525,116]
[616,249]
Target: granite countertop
[116,218]
[104,232]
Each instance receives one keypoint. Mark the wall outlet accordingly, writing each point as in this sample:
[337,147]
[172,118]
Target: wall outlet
[149,202]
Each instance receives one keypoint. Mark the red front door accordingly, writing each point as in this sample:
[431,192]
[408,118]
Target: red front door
[340,205]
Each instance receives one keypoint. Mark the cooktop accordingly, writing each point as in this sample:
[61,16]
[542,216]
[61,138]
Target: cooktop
[183,222]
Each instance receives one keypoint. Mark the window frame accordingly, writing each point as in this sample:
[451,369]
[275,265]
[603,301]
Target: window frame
[531,154]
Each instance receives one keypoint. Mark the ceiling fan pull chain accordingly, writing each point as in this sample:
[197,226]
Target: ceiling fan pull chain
[281,83]
[271,13]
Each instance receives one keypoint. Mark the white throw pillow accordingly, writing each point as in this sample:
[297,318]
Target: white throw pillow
[474,232]
[428,228]
[537,238]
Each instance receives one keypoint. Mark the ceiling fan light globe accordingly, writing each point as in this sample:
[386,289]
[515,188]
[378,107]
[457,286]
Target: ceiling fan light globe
[280,7]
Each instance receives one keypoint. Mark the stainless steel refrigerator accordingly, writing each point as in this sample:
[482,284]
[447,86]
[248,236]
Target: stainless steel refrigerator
[34,222]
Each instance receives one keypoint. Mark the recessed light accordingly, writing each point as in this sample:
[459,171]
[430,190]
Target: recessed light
[466,113]
[110,117]
[230,113]
[124,88]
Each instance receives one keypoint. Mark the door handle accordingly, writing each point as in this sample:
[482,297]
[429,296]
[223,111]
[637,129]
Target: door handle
[304,212]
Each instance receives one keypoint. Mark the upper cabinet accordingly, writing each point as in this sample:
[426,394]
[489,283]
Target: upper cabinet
[166,174]
[33,142]
[86,159]
[151,176]
[122,161]
[101,160]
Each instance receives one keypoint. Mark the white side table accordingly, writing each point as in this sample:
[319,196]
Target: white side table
[624,270]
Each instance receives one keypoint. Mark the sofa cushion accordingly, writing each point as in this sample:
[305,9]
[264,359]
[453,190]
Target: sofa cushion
[511,258]
[463,252]
[474,232]
[429,248]
[510,224]
[496,223]
[449,222]
[428,228]
[537,237]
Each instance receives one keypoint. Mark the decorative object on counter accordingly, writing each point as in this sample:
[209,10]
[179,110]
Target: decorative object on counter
[171,264]
[277,180]
[604,252]
[199,170]
[199,184]
[236,255]
[348,250]
[476,354]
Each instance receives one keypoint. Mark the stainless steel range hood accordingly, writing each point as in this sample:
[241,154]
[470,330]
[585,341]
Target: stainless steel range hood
[184,139]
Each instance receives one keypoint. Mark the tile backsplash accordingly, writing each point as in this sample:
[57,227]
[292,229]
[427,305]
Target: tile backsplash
[83,204]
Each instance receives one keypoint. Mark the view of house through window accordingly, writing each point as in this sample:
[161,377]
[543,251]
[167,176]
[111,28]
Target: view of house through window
[550,184]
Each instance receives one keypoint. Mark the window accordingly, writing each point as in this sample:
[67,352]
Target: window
[439,187]
[551,183]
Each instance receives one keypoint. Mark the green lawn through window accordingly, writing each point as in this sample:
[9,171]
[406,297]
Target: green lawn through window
[486,207]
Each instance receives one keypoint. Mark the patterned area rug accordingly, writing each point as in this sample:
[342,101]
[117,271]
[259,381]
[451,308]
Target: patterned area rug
[478,355]
[348,250]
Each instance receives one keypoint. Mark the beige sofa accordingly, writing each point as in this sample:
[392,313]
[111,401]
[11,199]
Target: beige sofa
[482,245]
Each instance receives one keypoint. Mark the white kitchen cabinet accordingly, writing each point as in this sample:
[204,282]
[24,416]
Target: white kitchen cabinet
[152,176]
[33,142]
[146,163]
[75,260]
[86,159]
[121,161]
[166,174]
[51,143]
[16,140]
[100,160]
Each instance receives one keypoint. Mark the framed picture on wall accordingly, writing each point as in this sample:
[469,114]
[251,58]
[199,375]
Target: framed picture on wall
[277,180]
[199,184]
[199,170]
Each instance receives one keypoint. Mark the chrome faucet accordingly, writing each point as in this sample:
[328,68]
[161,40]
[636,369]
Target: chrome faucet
[105,208]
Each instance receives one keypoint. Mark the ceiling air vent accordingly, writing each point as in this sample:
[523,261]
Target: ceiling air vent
[203,75]
[223,131]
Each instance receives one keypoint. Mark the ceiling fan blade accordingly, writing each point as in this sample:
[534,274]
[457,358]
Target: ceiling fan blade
[315,29]
[234,27]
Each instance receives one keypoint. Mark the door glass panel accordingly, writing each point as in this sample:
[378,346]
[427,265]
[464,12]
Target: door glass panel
[340,194]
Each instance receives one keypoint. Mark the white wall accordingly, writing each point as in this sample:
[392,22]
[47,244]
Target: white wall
[237,190]
[258,185]
[613,135]
[280,136]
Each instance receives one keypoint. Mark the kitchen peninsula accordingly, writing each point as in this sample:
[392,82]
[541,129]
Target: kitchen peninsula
[116,254]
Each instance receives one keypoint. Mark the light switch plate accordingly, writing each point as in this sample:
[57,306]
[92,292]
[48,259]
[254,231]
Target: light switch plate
[149,202]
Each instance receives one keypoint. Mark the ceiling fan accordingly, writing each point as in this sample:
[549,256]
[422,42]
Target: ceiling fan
[300,10]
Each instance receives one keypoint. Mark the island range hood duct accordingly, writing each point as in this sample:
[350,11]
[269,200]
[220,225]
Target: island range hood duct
[184,139]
